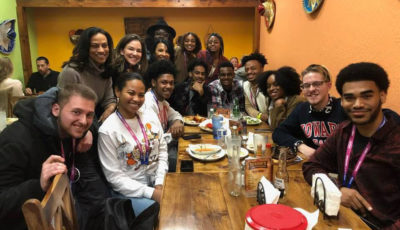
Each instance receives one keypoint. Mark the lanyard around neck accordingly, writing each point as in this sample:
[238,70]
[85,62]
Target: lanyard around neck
[362,157]
[253,99]
[144,156]
[162,115]
[72,175]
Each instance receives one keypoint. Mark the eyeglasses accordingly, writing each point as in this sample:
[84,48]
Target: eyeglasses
[315,84]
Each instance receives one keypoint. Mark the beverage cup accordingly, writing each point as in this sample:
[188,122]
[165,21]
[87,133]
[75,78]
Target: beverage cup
[217,124]
[234,175]
[232,141]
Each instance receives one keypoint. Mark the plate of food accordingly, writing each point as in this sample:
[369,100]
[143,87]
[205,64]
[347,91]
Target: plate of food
[193,120]
[204,148]
[206,125]
[252,120]
[207,157]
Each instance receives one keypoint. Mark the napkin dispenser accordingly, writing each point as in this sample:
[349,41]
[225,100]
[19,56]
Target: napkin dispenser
[326,195]
[266,192]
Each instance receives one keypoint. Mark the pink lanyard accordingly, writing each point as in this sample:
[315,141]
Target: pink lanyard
[162,115]
[72,176]
[362,157]
[253,99]
[144,157]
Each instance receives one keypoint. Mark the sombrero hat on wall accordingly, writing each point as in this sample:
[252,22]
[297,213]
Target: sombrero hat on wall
[7,36]
[267,9]
[161,24]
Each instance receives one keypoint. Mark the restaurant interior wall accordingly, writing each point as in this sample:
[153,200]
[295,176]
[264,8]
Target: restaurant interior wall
[8,11]
[53,24]
[340,33]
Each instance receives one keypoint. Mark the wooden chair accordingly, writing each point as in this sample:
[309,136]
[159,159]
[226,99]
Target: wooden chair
[56,211]
[12,100]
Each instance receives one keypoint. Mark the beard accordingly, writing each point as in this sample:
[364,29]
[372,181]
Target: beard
[373,115]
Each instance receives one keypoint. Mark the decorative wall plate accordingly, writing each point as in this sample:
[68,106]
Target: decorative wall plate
[311,5]
[267,9]
[7,36]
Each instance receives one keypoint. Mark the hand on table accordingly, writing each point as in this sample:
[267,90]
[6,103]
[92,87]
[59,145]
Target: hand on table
[28,91]
[351,198]
[52,166]
[306,150]
[176,129]
[157,193]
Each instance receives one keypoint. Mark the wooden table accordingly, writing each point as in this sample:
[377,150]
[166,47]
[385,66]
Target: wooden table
[201,201]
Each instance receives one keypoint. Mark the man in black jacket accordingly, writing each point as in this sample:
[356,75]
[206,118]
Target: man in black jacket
[189,96]
[50,137]
[311,122]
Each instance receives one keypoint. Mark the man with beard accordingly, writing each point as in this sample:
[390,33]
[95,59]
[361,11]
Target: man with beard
[43,79]
[45,141]
[365,151]
[189,96]
[162,74]
[255,101]
[311,122]
[223,91]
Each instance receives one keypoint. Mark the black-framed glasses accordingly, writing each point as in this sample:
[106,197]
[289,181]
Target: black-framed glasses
[315,84]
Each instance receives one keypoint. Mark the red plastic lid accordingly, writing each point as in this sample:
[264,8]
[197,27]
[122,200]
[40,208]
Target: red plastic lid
[275,216]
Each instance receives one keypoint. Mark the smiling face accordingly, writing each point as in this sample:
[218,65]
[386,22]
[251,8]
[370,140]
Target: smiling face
[75,117]
[99,49]
[189,43]
[317,95]
[273,89]
[214,44]
[198,74]
[362,101]
[252,69]
[132,52]
[226,75]
[163,86]
[161,52]
[131,98]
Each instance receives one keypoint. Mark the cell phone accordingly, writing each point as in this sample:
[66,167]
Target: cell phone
[193,136]
[186,166]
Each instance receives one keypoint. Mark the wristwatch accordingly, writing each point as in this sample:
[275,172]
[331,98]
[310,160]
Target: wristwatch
[297,144]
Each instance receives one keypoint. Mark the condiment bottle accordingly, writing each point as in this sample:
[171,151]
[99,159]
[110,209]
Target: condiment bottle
[270,165]
[281,180]
[259,151]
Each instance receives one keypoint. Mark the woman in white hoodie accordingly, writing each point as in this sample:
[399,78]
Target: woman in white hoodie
[132,152]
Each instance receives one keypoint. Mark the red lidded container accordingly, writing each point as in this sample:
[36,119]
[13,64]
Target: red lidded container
[274,216]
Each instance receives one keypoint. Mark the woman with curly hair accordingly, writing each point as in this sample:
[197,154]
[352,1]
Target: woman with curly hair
[6,83]
[282,87]
[90,64]
[213,56]
[185,53]
[129,56]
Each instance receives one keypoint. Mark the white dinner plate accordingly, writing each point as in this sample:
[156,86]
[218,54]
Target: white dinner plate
[204,149]
[203,124]
[207,157]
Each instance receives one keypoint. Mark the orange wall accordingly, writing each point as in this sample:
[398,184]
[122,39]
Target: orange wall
[53,24]
[340,33]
